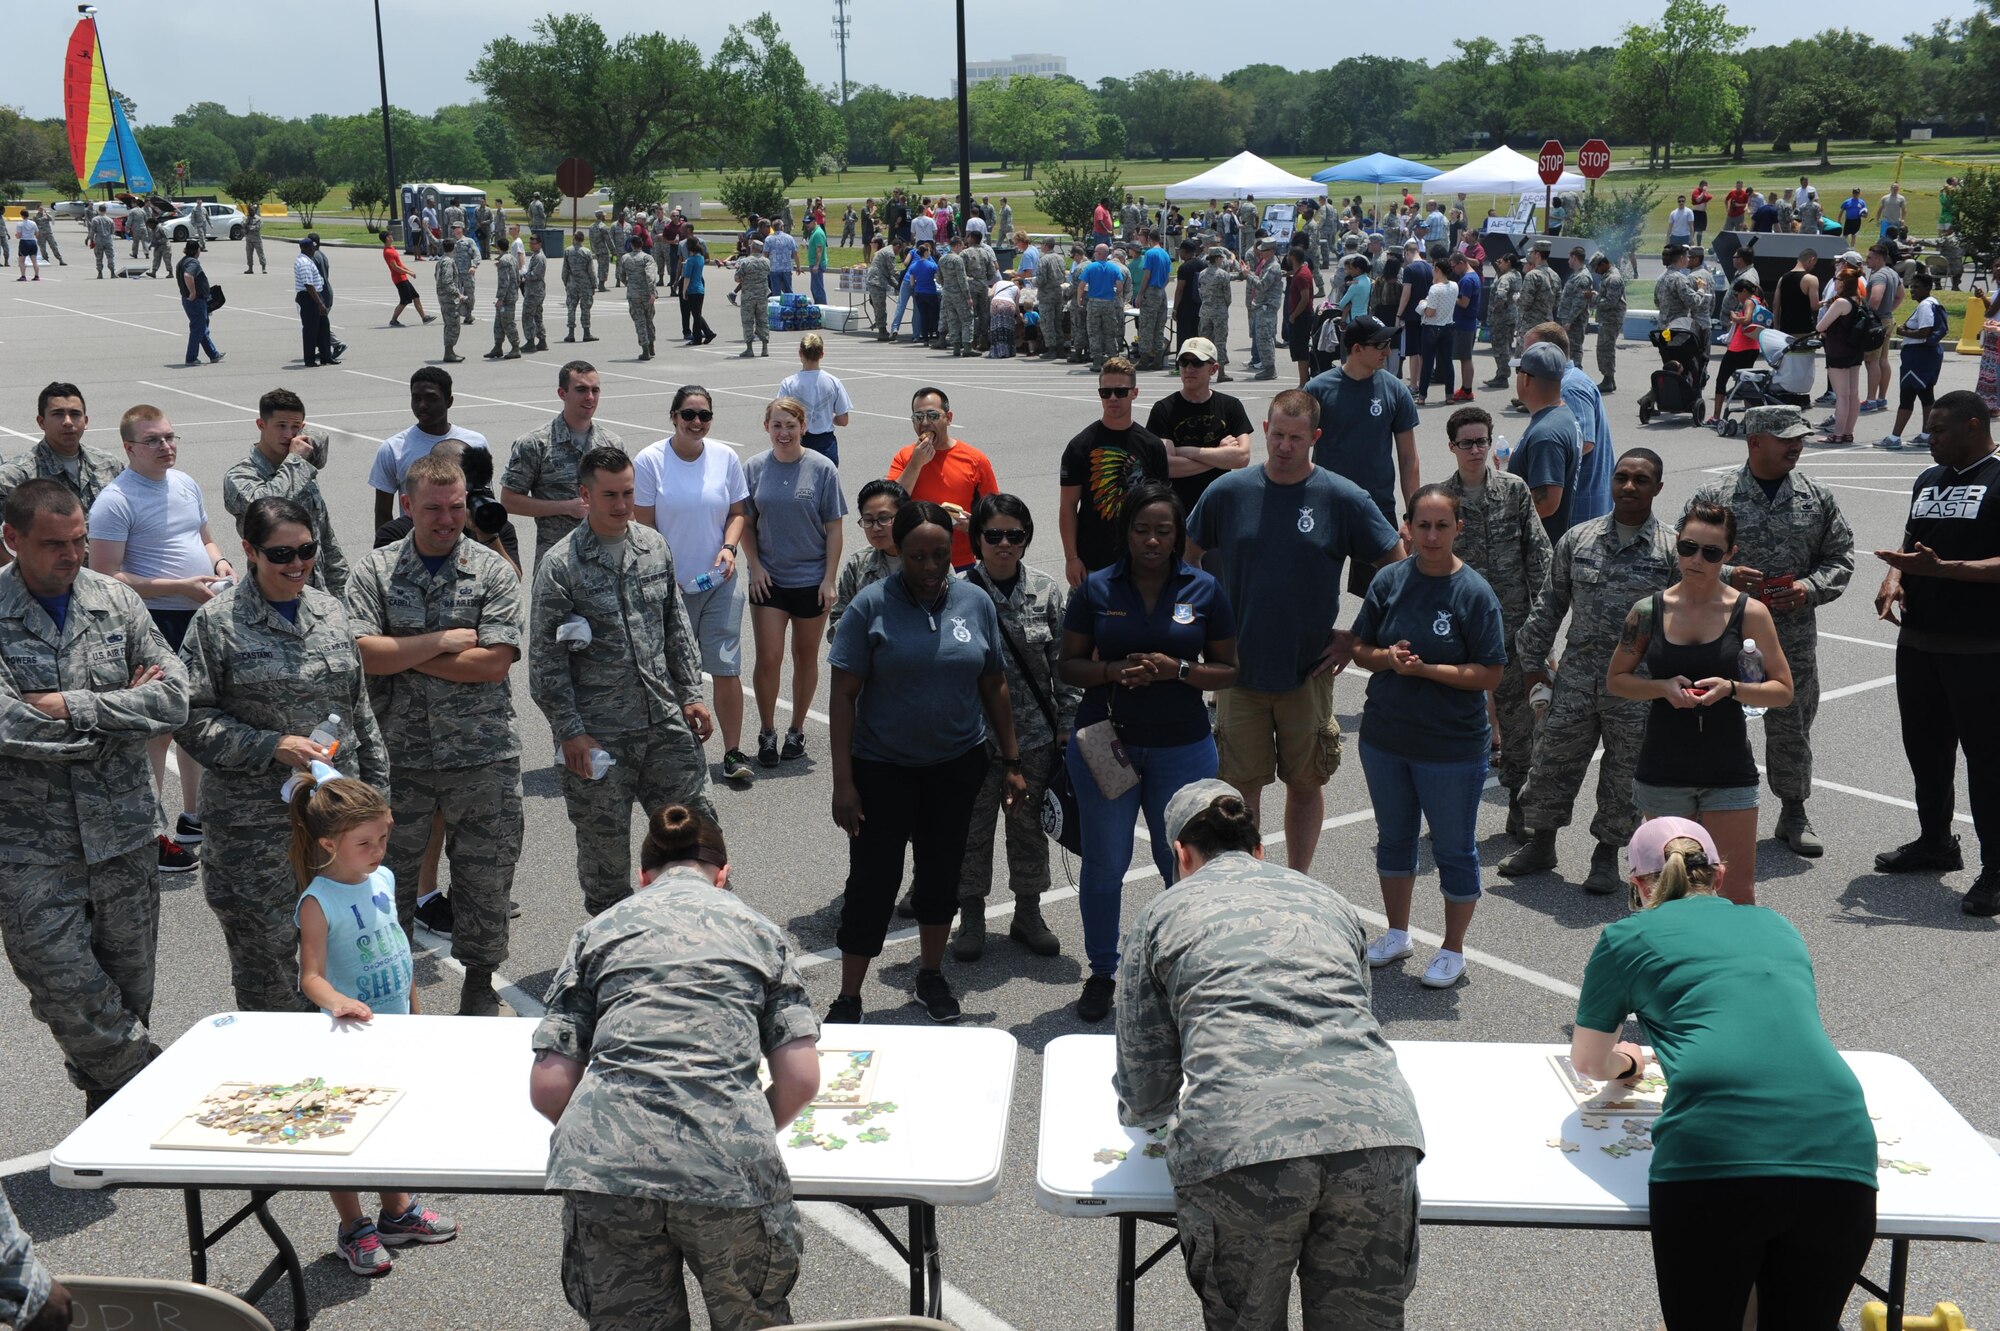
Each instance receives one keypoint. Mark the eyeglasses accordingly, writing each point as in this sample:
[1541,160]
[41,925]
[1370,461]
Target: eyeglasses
[1010,535]
[286,554]
[158,441]
[926,417]
[690,414]
[1472,442]
[1121,390]
[1714,554]
[880,520]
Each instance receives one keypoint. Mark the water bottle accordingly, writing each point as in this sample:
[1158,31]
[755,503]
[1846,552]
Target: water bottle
[600,763]
[706,582]
[327,734]
[1502,450]
[1750,670]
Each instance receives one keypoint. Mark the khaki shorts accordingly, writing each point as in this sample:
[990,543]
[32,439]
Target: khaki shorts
[1291,736]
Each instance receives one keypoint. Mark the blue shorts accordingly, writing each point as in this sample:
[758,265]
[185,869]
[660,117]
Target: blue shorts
[717,617]
[1691,801]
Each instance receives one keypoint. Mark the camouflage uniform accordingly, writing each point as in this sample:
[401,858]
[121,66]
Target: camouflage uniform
[1295,1144]
[135,232]
[881,280]
[982,266]
[104,243]
[753,304]
[626,690]
[94,471]
[1031,620]
[465,257]
[80,912]
[1811,217]
[1151,332]
[1541,291]
[579,291]
[1673,298]
[1504,542]
[534,291]
[453,747]
[453,216]
[600,245]
[1502,323]
[198,225]
[163,251]
[1573,311]
[506,299]
[543,466]
[538,215]
[1215,285]
[1267,298]
[861,568]
[255,677]
[635,274]
[253,239]
[24,1281]
[295,479]
[45,231]
[1803,532]
[1611,306]
[668,999]
[1049,274]
[954,303]
[1952,251]
[451,302]
[1595,581]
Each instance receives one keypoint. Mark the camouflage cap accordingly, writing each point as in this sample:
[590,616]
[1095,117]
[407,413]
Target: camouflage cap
[1190,800]
[1783,422]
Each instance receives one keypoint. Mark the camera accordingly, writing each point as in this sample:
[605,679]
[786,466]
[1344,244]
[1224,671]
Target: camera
[481,504]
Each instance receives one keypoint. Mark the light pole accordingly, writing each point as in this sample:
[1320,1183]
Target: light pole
[388,144]
[964,130]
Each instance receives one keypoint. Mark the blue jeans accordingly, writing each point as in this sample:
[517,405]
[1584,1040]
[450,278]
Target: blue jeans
[198,338]
[819,286]
[1438,366]
[781,281]
[1406,793]
[903,294]
[1108,831]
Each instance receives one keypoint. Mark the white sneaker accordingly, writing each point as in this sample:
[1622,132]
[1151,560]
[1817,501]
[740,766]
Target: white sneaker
[1445,970]
[1387,949]
[1892,442]
[1923,438]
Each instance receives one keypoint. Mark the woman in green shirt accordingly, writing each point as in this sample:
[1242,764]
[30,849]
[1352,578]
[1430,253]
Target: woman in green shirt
[1747,1191]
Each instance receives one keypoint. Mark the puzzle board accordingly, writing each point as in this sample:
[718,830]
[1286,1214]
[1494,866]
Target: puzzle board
[1648,1097]
[307,1117]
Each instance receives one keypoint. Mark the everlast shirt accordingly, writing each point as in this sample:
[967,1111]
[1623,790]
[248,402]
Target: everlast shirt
[1957,514]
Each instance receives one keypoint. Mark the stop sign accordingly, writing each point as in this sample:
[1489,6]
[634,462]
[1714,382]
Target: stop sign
[574,177]
[1593,159]
[1551,162]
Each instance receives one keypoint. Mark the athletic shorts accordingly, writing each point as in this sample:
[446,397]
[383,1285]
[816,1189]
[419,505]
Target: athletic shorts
[406,291]
[798,602]
[1691,801]
[1299,339]
[1461,342]
[717,617]
[173,626]
[29,249]
[1292,736]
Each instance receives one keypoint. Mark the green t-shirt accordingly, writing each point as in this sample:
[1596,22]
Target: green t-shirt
[1754,1086]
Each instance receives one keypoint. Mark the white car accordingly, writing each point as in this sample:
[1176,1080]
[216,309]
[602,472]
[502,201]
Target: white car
[223,222]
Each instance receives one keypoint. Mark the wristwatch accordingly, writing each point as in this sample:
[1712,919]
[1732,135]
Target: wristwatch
[1187,668]
[730,546]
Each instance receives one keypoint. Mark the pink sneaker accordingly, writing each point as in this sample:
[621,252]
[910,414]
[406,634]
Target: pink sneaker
[362,1250]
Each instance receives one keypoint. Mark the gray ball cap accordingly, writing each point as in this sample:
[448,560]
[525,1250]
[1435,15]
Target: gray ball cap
[1543,361]
[1783,422]
[1190,800]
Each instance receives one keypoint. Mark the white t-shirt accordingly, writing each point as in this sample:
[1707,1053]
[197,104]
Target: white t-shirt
[395,454]
[1680,222]
[922,228]
[690,501]
[1439,302]
[825,397]
[25,229]
[160,523]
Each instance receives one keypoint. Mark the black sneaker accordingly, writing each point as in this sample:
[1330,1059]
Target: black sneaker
[767,748]
[174,857]
[187,830]
[1920,857]
[795,745]
[1095,1005]
[1983,898]
[934,992]
[844,1011]
[436,915]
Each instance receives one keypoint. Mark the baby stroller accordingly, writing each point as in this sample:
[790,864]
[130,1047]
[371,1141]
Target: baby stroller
[1786,383]
[1683,374]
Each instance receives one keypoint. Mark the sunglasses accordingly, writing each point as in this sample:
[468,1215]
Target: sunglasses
[1714,554]
[1121,390]
[1010,535]
[1190,362]
[690,414]
[926,417]
[285,554]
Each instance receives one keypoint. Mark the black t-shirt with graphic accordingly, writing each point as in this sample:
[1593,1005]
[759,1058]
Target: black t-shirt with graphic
[1106,464]
[1957,514]
[1197,425]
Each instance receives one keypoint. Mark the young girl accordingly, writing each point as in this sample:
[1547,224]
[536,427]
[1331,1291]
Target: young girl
[354,961]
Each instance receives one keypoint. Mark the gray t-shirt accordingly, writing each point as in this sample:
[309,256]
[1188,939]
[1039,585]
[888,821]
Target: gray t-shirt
[790,504]
[160,523]
[920,668]
[1359,420]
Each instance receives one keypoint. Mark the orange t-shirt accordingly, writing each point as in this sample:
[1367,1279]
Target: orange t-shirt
[958,476]
[397,271]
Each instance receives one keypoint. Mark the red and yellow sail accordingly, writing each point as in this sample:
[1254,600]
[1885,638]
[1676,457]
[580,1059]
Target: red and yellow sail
[101,146]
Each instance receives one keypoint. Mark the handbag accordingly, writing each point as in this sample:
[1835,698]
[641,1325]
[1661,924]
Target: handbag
[216,300]
[1062,821]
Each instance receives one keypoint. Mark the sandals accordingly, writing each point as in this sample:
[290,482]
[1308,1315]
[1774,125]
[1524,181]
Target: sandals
[1834,439]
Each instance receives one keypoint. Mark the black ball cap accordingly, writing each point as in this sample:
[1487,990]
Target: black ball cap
[1367,331]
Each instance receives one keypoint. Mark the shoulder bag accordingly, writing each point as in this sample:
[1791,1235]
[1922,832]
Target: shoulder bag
[1061,820]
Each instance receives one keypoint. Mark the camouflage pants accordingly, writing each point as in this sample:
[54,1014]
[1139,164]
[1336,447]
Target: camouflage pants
[1214,326]
[578,300]
[1577,332]
[1027,844]
[1055,338]
[469,299]
[134,243]
[82,939]
[51,248]
[755,308]
[1152,329]
[162,258]
[878,309]
[982,316]
[451,312]
[640,307]
[622,1260]
[482,841]
[654,767]
[246,876]
[533,333]
[1347,1223]
[1788,730]
[1107,330]
[955,319]
[1264,337]
[504,329]
[1578,718]
[603,270]
[1517,721]
[1610,325]
[253,252]
[1503,348]
[106,257]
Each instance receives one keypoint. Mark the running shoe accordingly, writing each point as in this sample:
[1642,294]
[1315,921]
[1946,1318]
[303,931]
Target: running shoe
[934,992]
[767,748]
[435,914]
[419,1224]
[362,1250]
[736,766]
[795,745]
[174,857]
[187,830]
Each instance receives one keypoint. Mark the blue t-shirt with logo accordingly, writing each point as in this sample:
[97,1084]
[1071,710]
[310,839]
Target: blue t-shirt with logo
[1550,452]
[920,668]
[1359,420]
[1189,613]
[1452,619]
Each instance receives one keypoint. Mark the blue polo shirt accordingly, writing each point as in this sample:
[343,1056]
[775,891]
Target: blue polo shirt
[920,668]
[1159,268]
[1191,613]
[1100,279]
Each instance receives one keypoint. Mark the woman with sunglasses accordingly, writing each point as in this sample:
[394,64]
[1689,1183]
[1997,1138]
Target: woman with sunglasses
[1143,638]
[792,548]
[1695,761]
[875,510]
[269,660]
[1837,319]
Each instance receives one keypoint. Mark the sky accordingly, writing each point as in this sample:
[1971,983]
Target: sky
[295,58]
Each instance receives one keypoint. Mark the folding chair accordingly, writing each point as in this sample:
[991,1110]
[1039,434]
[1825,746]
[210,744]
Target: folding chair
[115,1301]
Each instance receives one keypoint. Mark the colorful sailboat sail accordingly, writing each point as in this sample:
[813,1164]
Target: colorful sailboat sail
[101,146]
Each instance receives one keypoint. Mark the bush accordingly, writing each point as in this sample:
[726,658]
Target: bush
[915,151]
[1069,194]
[1614,218]
[525,189]
[303,195]
[368,195]
[64,183]
[753,193]
[1977,206]
[640,190]
[246,187]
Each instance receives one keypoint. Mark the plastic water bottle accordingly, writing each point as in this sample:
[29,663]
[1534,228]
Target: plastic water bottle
[327,734]
[1750,670]
[600,763]
[1502,450]
[706,582]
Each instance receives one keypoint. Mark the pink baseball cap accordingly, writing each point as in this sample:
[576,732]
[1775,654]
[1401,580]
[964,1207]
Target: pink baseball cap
[1647,854]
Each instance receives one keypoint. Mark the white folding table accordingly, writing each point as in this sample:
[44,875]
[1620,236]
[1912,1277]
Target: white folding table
[1488,1112]
[464,1125]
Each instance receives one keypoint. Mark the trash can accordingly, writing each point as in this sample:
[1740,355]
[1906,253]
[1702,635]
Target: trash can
[552,241]
[1006,254]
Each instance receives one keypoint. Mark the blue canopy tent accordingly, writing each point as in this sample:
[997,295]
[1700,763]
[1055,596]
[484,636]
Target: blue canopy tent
[1377,169]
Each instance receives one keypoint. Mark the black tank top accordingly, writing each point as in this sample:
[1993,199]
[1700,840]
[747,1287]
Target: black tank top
[1696,746]
[1795,315]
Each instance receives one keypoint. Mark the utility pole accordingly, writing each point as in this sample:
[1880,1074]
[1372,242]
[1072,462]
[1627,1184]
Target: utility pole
[841,24]
[964,129]
[388,145]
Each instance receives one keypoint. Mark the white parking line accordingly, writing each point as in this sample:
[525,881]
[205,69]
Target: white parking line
[127,323]
[203,397]
[1852,689]
[1864,642]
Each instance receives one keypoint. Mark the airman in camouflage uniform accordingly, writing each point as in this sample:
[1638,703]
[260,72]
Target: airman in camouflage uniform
[600,245]
[534,291]
[78,817]
[135,231]
[254,678]
[45,231]
[538,215]
[451,304]
[543,465]
[25,1284]
[1951,255]
[634,690]
[454,748]
[454,218]
[104,241]
[163,250]
[1611,305]
[294,476]
[753,285]
[1594,578]
[1258,975]
[982,267]
[579,288]
[621,1006]
[1266,294]
[253,239]
[862,568]
[635,274]
[465,257]
[1502,302]
[1215,285]
[954,299]
[506,297]
[1573,307]
[1541,292]
[1150,332]
[1673,298]
[881,280]
[1503,540]
[1812,217]
[1802,532]
[1049,275]
[94,470]
[198,225]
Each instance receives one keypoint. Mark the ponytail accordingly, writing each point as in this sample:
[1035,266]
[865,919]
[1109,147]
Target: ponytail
[1687,871]
[327,809]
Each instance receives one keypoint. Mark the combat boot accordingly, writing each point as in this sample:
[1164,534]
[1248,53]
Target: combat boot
[1603,878]
[1031,931]
[969,943]
[1608,384]
[1536,855]
[476,997]
[1517,821]
[1796,831]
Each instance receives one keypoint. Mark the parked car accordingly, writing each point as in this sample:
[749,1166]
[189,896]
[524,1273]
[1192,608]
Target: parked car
[223,221]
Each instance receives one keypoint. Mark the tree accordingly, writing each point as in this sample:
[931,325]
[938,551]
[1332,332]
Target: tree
[1615,218]
[753,193]
[1171,114]
[1834,87]
[1677,82]
[1281,100]
[66,185]
[1107,137]
[637,189]
[303,195]
[1069,194]
[1977,205]
[915,152]
[640,104]
[932,119]
[246,187]
[25,150]
[451,152]
[208,157]
[1029,119]
[796,122]
[526,189]
[288,150]
[368,195]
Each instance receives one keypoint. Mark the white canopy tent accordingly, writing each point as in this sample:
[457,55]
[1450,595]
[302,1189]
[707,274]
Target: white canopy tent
[1502,171]
[1244,175]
